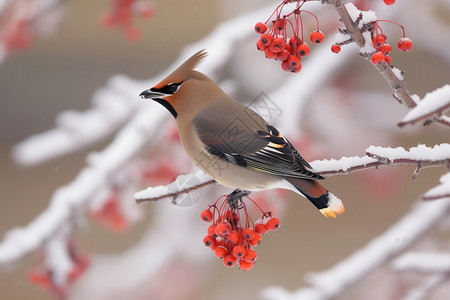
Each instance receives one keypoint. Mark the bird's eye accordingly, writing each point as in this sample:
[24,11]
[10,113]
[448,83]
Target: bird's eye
[172,88]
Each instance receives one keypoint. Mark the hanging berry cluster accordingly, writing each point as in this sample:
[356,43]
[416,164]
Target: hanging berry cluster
[232,234]
[121,15]
[276,42]
[383,48]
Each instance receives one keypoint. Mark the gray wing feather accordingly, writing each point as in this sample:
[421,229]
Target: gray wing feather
[240,136]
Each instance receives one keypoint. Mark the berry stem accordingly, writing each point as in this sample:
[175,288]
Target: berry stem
[401,26]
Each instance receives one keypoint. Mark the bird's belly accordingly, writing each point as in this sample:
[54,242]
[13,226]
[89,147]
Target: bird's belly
[232,175]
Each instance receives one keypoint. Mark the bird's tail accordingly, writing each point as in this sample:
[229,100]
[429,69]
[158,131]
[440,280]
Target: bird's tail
[327,203]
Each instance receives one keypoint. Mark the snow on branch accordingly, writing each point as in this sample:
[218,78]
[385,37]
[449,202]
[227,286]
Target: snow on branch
[334,281]
[421,156]
[75,130]
[431,106]
[440,191]
[184,183]
[424,262]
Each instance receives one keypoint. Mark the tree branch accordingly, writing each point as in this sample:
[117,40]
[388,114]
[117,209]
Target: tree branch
[421,156]
[431,106]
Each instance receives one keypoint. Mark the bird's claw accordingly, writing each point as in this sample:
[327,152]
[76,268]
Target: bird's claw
[234,199]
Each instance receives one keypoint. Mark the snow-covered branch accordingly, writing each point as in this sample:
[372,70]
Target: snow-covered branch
[424,262]
[184,183]
[349,15]
[430,107]
[421,156]
[440,191]
[75,130]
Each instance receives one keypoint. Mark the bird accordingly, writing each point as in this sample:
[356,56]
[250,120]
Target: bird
[232,143]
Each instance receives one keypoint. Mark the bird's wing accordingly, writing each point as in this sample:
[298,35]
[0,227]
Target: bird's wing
[240,136]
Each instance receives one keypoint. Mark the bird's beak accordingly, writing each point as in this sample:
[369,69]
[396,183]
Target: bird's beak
[151,94]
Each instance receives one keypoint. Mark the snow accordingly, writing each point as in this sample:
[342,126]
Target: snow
[430,262]
[398,73]
[419,153]
[340,38]
[367,16]
[344,163]
[181,183]
[433,102]
[440,191]
[368,47]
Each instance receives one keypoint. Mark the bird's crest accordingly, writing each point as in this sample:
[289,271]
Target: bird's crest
[184,70]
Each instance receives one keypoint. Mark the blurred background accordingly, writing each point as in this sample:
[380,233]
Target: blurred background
[353,110]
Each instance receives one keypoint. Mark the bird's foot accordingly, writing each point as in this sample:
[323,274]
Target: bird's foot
[234,199]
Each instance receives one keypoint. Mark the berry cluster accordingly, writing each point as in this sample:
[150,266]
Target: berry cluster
[383,48]
[276,43]
[121,15]
[44,276]
[231,239]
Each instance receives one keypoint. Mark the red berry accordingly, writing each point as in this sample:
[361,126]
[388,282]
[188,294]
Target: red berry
[260,28]
[288,48]
[229,260]
[209,241]
[385,49]
[206,215]
[293,61]
[377,58]
[277,45]
[389,2]
[245,266]
[285,66]
[221,252]
[335,48]
[273,224]
[212,231]
[404,44]
[266,39]
[261,228]
[296,70]
[250,256]
[316,37]
[238,251]
[302,50]
[256,240]
[233,237]
[378,41]
[260,45]
[294,42]
[248,234]
[223,229]
[269,54]
[282,56]
[281,24]
[387,59]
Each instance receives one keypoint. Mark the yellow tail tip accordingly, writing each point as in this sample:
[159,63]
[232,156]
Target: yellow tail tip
[328,212]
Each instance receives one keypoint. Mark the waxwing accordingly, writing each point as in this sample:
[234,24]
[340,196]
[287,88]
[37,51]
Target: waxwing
[232,143]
